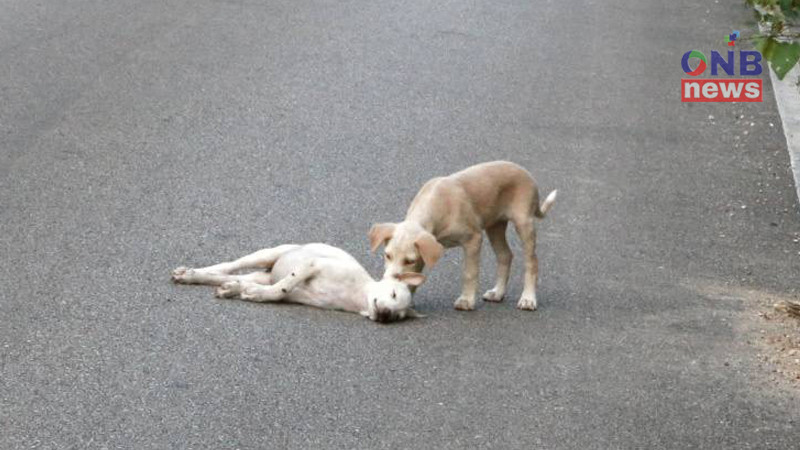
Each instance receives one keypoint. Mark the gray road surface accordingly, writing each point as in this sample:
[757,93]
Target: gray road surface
[139,136]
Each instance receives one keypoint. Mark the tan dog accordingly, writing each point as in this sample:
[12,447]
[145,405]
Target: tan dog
[453,211]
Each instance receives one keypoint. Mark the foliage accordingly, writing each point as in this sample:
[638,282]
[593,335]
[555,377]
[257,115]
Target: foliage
[778,39]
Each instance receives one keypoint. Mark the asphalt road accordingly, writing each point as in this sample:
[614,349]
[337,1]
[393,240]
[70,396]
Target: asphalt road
[139,136]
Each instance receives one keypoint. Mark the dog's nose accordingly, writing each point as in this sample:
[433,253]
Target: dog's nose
[384,315]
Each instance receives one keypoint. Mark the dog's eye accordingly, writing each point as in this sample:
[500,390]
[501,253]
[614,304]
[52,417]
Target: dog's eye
[408,262]
[394,294]
[388,256]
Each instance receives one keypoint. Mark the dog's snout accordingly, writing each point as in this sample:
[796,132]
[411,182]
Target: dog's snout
[385,315]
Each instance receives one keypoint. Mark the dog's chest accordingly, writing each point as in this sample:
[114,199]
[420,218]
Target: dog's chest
[329,292]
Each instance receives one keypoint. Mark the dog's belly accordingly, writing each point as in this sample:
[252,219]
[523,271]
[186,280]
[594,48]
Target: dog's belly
[450,241]
[452,238]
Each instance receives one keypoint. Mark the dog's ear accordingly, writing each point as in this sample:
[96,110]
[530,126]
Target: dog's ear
[429,248]
[379,234]
[411,278]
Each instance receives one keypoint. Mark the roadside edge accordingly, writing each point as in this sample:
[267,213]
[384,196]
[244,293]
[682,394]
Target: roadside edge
[787,96]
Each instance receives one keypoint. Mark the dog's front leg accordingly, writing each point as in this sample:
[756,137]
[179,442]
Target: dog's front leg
[281,288]
[472,256]
[231,286]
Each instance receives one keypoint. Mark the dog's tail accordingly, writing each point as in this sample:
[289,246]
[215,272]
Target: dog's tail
[541,211]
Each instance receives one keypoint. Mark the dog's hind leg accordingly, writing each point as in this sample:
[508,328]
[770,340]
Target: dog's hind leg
[497,237]
[526,228]
[216,274]
[218,279]
[527,234]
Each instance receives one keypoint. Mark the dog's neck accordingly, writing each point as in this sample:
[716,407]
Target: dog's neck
[362,295]
[425,221]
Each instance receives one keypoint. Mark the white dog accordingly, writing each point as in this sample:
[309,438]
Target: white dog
[312,274]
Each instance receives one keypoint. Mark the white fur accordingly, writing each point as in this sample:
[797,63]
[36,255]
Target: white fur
[312,274]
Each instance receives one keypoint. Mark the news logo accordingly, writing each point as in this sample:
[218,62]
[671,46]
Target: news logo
[732,38]
[722,89]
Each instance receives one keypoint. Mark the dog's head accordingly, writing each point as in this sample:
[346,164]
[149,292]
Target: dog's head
[389,299]
[407,247]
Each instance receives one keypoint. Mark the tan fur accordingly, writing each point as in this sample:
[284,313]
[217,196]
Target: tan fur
[453,211]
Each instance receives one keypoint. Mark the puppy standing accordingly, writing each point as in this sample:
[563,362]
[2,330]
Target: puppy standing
[453,211]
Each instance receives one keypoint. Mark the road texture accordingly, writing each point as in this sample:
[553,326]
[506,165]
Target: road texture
[139,136]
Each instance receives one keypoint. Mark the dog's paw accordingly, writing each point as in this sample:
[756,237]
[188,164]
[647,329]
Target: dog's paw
[181,275]
[250,293]
[228,289]
[247,294]
[464,304]
[527,303]
[492,296]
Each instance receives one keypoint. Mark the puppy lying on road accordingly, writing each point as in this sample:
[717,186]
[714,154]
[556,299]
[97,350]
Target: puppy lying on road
[313,274]
[453,211]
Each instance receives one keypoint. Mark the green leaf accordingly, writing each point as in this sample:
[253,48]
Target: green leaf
[783,57]
[766,46]
[792,12]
